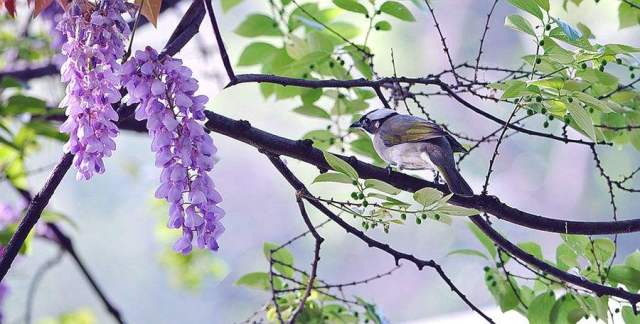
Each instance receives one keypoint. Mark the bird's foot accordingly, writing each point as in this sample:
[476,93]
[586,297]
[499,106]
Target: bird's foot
[389,169]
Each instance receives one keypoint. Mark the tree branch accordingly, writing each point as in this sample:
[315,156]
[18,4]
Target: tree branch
[302,150]
[397,255]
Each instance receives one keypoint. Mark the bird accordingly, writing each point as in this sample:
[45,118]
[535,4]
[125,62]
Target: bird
[413,143]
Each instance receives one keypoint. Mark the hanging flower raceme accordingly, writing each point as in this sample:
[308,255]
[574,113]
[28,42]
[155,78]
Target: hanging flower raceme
[96,36]
[165,91]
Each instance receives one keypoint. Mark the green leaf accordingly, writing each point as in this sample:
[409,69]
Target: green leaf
[628,316]
[398,10]
[282,255]
[470,252]
[340,165]
[322,138]
[382,25]
[55,217]
[9,82]
[528,6]
[312,110]
[552,83]
[544,4]
[451,210]
[333,177]
[427,196]
[258,25]
[591,101]
[572,33]
[582,118]
[633,260]
[381,186]
[256,53]
[19,104]
[514,89]
[228,4]
[566,258]
[81,316]
[600,251]
[626,276]
[578,243]
[351,5]
[566,311]
[532,248]
[484,239]
[258,280]
[519,23]
[539,311]
[628,16]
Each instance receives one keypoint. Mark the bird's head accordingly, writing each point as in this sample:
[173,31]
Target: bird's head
[372,120]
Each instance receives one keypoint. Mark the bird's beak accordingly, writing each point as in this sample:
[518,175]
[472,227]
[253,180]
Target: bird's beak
[357,124]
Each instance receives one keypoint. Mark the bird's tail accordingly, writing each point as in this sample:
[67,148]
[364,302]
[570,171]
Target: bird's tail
[455,181]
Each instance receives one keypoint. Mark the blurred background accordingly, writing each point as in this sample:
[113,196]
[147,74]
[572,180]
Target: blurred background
[117,222]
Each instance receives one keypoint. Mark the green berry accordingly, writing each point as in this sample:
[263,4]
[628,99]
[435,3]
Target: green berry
[631,68]
[365,203]
[486,269]
[403,216]
[584,65]
[546,124]
[570,99]
[354,195]
[590,110]
[547,27]
[619,61]
[424,216]
[530,112]
[601,68]
[633,76]
[551,117]
[541,43]
[543,110]
[538,60]
[361,196]
[354,182]
[331,64]
[418,221]
[539,99]
[604,62]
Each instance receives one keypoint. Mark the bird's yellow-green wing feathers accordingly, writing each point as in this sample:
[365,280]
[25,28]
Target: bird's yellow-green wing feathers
[409,130]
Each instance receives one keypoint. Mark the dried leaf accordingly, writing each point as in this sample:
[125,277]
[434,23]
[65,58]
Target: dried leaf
[11,7]
[64,4]
[40,5]
[150,10]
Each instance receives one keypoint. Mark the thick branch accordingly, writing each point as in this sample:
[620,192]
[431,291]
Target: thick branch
[303,151]
[37,205]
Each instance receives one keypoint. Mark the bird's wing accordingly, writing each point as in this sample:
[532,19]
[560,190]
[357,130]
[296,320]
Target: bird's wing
[407,129]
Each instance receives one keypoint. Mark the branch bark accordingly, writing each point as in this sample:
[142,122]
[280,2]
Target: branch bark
[302,150]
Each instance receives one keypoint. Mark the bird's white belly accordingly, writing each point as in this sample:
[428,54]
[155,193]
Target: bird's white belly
[411,156]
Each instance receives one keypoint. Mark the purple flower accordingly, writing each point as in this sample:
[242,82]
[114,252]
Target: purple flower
[165,91]
[95,43]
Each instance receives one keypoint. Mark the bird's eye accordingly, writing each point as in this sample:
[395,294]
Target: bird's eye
[366,121]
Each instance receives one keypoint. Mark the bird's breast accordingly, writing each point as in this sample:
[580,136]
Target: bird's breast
[411,156]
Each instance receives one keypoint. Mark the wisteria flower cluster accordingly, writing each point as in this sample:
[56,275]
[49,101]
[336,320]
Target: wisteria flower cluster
[165,91]
[95,36]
